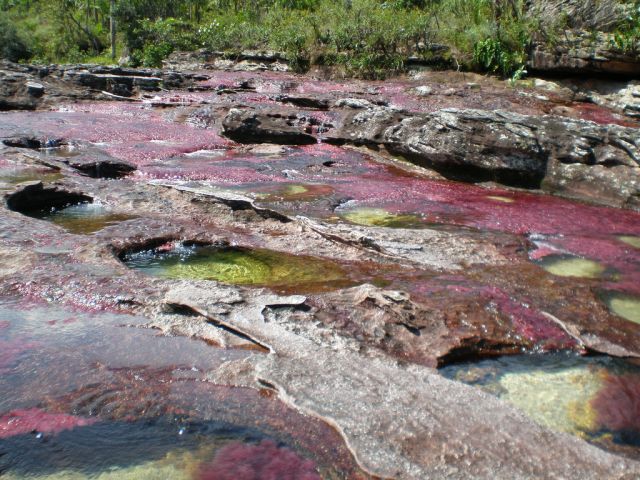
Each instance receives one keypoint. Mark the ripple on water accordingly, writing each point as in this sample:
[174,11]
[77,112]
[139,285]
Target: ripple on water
[241,266]
[115,402]
[566,393]
[571,266]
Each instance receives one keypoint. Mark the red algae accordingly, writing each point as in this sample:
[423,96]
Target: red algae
[264,461]
[20,422]
[602,115]
[617,404]
[526,319]
[10,350]
[532,325]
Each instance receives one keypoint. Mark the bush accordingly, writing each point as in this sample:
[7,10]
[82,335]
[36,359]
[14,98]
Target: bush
[155,40]
[627,37]
[12,46]
[492,55]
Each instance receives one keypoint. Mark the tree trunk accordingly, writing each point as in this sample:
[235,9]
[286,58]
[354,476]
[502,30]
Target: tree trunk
[112,25]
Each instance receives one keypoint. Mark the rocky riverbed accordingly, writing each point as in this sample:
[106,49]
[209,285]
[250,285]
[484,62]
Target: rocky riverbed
[201,270]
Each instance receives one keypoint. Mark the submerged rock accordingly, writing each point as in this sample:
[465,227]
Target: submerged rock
[239,461]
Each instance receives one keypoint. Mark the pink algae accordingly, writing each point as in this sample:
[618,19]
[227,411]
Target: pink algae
[10,350]
[264,461]
[602,115]
[617,404]
[20,422]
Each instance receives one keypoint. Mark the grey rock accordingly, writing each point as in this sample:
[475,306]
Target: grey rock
[569,157]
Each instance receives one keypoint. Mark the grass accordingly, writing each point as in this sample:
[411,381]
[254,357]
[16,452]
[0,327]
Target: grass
[365,38]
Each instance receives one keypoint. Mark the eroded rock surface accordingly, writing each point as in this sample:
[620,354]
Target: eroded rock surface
[428,272]
[576,159]
[582,52]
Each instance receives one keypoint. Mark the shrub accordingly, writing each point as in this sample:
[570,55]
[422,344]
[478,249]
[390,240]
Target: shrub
[492,55]
[627,37]
[12,45]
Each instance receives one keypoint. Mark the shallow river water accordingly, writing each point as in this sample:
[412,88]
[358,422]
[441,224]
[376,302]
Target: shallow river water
[87,394]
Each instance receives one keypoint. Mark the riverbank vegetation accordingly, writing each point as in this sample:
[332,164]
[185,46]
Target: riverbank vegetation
[367,38]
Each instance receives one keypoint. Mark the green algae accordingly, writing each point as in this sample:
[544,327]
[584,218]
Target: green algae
[570,266]
[630,240]
[174,465]
[557,400]
[624,305]
[296,193]
[84,219]
[377,217]
[502,199]
[242,266]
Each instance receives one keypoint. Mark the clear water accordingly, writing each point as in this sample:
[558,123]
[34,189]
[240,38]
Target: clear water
[94,399]
[594,398]
[242,266]
[83,219]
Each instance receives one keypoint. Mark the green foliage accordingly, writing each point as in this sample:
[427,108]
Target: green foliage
[627,37]
[157,39]
[370,39]
[12,45]
[365,38]
[494,56]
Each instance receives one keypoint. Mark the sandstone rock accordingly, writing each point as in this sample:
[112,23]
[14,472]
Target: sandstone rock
[32,143]
[600,15]
[108,168]
[424,90]
[581,52]
[372,403]
[35,89]
[475,145]
[275,127]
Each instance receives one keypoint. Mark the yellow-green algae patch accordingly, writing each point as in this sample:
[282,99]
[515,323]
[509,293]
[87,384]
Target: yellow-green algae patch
[624,305]
[296,192]
[558,400]
[242,266]
[175,466]
[630,240]
[499,198]
[377,217]
[569,266]
[555,390]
